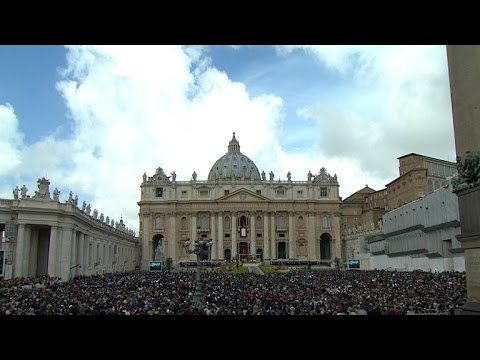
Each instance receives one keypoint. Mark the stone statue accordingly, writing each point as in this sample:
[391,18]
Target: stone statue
[107,220]
[95,214]
[23,191]
[194,176]
[101,217]
[75,201]
[264,177]
[84,205]
[88,209]
[174,176]
[15,192]
[159,252]
[271,175]
[56,194]
[70,197]
[112,223]
[289,176]
[309,176]
[144,177]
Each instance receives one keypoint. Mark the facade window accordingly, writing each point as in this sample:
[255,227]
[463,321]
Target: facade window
[281,222]
[243,220]
[299,194]
[204,221]
[158,222]
[259,223]
[203,193]
[227,224]
[280,193]
[159,192]
[226,192]
[184,194]
[259,192]
[323,192]
[325,221]
[301,222]
[259,235]
[184,223]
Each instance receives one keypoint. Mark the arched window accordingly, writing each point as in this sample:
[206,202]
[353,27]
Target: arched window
[281,223]
[184,223]
[243,220]
[204,221]
[301,222]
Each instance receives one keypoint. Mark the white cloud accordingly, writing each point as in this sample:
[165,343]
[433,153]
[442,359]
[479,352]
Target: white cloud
[10,140]
[407,97]
[136,108]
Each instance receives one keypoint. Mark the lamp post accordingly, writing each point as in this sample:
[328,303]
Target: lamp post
[201,248]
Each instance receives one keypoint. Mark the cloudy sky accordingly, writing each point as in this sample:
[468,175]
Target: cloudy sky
[93,119]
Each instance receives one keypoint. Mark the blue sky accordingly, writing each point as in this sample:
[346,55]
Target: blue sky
[94,119]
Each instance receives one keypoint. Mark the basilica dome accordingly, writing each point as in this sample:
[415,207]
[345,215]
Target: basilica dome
[234,165]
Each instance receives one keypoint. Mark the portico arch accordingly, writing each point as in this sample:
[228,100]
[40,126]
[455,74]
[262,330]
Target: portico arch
[325,246]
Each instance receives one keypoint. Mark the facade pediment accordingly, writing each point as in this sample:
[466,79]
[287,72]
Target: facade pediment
[243,195]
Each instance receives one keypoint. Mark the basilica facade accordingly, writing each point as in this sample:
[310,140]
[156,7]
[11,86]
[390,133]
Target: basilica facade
[240,212]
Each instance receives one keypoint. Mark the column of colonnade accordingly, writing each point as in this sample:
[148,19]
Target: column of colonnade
[252,233]
[266,244]
[291,237]
[273,242]
[220,236]
[213,235]
[194,235]
[234,234]
[311,235]
[172,241]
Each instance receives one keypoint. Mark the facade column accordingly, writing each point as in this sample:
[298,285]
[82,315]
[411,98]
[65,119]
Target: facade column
[213,234]
[266,243]
[253,234]
[66,254]
[32,268]
[52,251]
[81,254]
[234,234]
[291,237]
[73,257]
[194,235]
[146,236]
[19,251]
[220,236]
[311,235]
[26,250]
[172,241]
[273,233]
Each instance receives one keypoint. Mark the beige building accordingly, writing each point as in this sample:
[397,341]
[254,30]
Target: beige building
[241,211]
[40,235]
[419,175]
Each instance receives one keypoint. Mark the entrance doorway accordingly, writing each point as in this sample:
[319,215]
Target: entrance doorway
[281,250]
[260,255]
[228,254]
[243,250]
[325,241]
[157,247]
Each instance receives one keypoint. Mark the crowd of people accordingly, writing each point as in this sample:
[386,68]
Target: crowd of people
[299,292]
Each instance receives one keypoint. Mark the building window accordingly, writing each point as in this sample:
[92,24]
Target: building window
[184,223]
[259,192]
[226,192]
[203,193]
[259,235]
[259,223]
[184,194]
[323,192]
[227,236]
[280,193]
[227,225]
[281,222]
[159,192]
[301,222]
[204,222]
[281,235]
[299,194]
[158,222]
[325,221]
[243,220]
